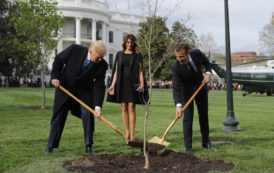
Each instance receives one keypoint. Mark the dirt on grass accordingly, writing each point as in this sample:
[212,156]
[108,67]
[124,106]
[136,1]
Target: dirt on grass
[166,162]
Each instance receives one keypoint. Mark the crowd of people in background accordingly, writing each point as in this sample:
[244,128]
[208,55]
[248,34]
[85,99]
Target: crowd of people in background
[211,86]
[216,86]
[35,81]
[23,82]
[162,84]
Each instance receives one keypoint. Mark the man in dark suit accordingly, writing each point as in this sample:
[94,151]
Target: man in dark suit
[82,71]
[188,72]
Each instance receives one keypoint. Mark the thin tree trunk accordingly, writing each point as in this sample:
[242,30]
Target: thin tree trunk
[43,106]
[147,165]
[146,155]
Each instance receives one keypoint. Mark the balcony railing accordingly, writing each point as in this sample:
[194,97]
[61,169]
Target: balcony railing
[69,35]
[86,36]
[95,3]
[73,35]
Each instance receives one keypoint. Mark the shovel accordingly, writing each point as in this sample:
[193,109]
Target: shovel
[137,144]
[101,118]
[161,141]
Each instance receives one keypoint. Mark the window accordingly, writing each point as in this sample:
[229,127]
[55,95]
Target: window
[110,36]
[110,61]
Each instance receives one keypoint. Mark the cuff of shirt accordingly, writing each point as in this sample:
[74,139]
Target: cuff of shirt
[178,105]
[97,107]
[208,73]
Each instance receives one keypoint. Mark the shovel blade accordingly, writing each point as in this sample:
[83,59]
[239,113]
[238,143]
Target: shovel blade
[138,144]
[151,147]
[158,140]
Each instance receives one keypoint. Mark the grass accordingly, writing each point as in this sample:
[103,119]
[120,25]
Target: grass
[24,130]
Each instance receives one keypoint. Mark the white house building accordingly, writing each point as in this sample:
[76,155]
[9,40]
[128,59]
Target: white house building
[89,20]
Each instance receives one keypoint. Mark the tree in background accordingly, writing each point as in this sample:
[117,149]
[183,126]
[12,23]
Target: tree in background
[161,42]
[15,51]
[39,22]
[181,33]
[5,31]
[267,37]
[212,50]
[207,44]
[159,36]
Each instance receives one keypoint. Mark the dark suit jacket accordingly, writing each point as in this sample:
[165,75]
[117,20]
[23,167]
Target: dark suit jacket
[182,77]
[136,65]
[67,68]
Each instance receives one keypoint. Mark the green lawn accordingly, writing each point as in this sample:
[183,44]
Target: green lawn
[24,131]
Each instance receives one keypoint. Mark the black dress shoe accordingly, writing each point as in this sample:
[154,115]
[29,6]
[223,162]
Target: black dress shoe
[89,150]
[189,151]
[209,146]
[49,150]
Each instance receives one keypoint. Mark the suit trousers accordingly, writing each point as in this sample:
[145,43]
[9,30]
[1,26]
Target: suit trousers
[58,122]
[201,101]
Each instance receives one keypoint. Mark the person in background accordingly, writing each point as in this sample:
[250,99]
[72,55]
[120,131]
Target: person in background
[189,70]
[127,82]
[82,71]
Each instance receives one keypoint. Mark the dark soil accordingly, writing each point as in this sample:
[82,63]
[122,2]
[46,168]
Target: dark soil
[167,162]
[151,147]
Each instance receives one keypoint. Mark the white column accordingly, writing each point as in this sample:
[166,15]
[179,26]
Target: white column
[60,45]
[104,33]
[78,2]
[60,42]
[93,29]
[78,30]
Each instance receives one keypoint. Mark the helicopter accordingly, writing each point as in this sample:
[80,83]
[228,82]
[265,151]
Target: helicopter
[256,76]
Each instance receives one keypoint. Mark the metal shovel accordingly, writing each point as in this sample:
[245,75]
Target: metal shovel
[162,141]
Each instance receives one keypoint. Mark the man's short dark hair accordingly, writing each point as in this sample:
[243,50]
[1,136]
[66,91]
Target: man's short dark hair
[182,46]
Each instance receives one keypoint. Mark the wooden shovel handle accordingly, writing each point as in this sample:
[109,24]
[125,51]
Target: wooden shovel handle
[184,108]
[101,118]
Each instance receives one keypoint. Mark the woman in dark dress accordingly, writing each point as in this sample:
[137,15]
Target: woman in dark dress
[126,81]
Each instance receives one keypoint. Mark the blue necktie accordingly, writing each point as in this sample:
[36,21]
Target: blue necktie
[85,65]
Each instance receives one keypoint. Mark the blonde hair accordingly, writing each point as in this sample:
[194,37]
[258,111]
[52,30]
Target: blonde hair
[98,47]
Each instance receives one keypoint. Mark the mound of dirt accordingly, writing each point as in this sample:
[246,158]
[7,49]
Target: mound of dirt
[168,162]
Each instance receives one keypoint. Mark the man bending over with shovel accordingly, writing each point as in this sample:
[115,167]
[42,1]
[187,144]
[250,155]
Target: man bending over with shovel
[82,71]
[188,72]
